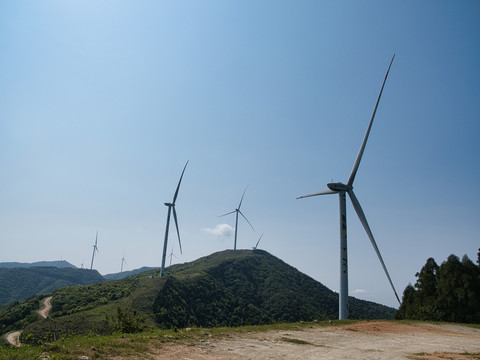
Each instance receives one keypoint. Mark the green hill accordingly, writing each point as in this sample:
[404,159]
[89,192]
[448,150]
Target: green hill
[227,288]
[21,283]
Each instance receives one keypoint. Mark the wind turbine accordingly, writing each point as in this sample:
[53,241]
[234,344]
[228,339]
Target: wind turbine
[171,256]
[170,207]
[341,189]
[237,211]
[123,262]
[95,249]
[255,247]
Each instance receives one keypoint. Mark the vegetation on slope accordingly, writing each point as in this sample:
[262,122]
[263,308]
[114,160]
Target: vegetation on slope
[18,315]
[124,274]
[449,292]
[228,288]
[234,288]
[21,283]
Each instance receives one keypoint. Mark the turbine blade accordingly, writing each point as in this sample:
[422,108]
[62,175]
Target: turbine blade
[178,186]
[323,192]
[240,204]
[363,220]
[364,143]
[176,225]
[246,219]
[258,242]
[231,212]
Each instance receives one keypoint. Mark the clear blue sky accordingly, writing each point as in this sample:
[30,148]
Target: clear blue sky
[103,102]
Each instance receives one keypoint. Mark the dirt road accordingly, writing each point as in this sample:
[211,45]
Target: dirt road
[14,337]
[48,306]
[364,340]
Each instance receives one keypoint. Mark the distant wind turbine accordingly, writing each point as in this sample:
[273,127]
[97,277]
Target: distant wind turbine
[255,247]
[237,211]
[340,189]
[171,256]
[170,207]
[95,249]
[123,262]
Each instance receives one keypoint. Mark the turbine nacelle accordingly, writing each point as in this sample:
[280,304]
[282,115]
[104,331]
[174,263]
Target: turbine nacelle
[339,187]
[169,204]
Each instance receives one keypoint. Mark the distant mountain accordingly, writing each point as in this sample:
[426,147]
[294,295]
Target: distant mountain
[124,274]
[227,288]
[20,283]
[58,264]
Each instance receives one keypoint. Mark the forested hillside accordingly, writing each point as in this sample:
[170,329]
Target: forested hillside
[449,292]
[227,288]
[21,283]
[250,288]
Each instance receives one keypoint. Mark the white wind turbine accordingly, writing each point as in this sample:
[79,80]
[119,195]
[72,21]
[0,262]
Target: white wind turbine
[172,255]
[340,189]
[95,249]
[237,211]
[170,207]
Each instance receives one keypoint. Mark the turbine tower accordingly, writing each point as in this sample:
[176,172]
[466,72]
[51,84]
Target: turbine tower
[95,249]
[237,211]
[170,207]
[341,189]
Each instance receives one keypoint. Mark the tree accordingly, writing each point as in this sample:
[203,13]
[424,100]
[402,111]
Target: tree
[427,282]
[449,292]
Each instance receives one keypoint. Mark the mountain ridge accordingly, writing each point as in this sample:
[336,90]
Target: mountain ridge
[55,263]
[20,283]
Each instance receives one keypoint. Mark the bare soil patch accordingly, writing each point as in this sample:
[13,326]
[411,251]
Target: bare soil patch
[363,340]
[13,338]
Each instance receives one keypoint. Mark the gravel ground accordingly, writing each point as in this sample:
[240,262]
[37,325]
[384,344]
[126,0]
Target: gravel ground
[364,340]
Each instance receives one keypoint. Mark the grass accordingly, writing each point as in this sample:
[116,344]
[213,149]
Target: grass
[132,345]
[295,341]
[135,346]
[446,356]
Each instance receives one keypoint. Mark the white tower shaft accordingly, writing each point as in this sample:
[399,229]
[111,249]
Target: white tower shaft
[343,295]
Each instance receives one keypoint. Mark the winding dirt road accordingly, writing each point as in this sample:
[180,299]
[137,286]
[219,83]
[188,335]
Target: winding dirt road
[13,337]
[47,302]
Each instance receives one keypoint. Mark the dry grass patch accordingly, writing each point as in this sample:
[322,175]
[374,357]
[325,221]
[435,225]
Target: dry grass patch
[445,356]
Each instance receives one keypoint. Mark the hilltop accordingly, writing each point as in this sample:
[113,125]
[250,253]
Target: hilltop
[124,274]
[227,288]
